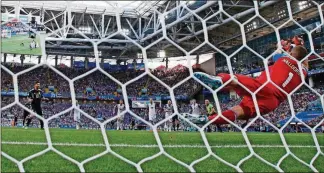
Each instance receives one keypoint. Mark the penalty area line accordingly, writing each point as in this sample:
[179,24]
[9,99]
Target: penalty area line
[153,146]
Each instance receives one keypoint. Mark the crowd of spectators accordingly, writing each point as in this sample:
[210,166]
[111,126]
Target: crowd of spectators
[102,85]
[99,82]
[15,27]
[246,68]
[240,68]
[314,122]
[101,111]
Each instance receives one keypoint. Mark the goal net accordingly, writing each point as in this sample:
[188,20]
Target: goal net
[232,50]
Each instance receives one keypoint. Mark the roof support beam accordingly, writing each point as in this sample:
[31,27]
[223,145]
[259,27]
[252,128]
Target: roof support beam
[107,27]
[131,27]
[237,16]
[84,40]
[167,6]
[56,23]
[140,27]
[95,25]
[103,24]
[58,15]
[209,3]
[82,17]
[148,24]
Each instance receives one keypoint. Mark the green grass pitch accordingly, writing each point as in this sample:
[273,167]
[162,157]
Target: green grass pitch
[12,45]
[137,145]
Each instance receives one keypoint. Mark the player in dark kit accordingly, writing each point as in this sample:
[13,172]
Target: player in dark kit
[175,123]
[284,73]
[35,97]
[26,114]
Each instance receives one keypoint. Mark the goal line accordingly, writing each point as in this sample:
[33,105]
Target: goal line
[153,146]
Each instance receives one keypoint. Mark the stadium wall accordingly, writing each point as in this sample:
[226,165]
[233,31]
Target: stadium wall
[209,66]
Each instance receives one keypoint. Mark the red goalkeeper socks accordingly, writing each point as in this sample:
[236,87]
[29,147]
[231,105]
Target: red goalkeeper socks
[229,114]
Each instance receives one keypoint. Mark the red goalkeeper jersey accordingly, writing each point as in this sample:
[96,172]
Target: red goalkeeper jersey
[285,74]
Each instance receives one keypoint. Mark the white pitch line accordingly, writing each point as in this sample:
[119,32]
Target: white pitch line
[154,146]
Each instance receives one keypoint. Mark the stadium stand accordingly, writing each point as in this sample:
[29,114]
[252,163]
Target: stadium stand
[304,102]
[97,82]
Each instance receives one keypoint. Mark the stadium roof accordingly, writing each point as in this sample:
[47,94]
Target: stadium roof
[223,32]
[152,63]
[132,8]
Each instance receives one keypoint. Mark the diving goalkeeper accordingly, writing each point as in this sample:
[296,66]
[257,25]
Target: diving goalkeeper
[284,73]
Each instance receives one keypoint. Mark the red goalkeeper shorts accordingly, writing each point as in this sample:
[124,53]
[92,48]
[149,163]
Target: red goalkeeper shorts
[266,99]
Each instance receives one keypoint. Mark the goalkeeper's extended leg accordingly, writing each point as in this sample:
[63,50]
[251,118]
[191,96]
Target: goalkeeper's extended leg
[231,115]
[266,100]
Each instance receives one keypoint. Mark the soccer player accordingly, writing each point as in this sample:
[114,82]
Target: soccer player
[32,44]
[25,118]
[132,124]
[194,108]
[175,123]
[35,97]
[168,112]
[76,116]
[120,119]
[152,112]
[210,112]
[284,73]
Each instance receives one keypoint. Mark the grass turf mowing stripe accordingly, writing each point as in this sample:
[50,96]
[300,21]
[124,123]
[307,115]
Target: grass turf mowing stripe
[154,146]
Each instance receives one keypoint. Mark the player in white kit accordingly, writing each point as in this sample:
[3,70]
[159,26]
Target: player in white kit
[168,112]
[152,113]
[120,119]
[195,109]
[76,116]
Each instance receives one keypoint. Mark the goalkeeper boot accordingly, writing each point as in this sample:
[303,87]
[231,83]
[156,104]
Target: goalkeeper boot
[213,82]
